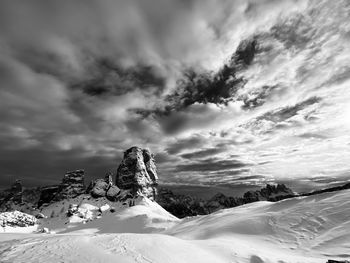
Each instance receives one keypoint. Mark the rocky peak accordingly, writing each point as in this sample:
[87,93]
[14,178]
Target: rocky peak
[137,172]
[71,186]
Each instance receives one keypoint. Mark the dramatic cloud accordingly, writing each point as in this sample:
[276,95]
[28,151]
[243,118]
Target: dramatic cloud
[224,92]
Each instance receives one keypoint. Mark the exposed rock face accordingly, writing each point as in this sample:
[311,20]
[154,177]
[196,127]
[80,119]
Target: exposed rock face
[137,173]
[71,186]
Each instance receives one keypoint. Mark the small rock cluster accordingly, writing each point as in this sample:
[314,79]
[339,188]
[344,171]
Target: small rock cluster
[16,219]
[104,188]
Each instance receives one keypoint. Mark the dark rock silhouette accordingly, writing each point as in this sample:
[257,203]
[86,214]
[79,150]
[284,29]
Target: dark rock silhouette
[47,194]
[182,206]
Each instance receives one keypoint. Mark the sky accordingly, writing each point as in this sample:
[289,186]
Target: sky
[224,93]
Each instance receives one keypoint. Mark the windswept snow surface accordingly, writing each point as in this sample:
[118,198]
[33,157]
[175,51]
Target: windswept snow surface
[307,229]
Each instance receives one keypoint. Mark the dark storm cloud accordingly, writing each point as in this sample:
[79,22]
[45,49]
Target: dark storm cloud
[110,79]
[218,87]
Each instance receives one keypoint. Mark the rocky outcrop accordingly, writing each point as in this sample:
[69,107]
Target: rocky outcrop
[16,219]
[137,173]
[71,186]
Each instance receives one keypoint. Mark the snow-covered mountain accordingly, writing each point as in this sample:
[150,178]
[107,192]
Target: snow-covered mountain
[304,229]
[122,222]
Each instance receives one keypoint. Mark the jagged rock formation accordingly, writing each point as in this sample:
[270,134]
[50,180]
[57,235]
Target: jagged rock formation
[71,186]
[16,219]
[137,173]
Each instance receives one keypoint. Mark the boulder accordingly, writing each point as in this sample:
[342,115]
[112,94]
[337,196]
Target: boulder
[113,193]
[137,173]
[104,208]
[99,188]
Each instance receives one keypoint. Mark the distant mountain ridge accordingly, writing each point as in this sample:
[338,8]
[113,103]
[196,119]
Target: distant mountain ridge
[186,205]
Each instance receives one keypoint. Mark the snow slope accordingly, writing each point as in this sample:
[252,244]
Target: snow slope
[307,229]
